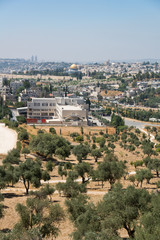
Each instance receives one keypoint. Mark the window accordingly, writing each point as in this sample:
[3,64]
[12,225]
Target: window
[44,104]
[36,104]
[44,114]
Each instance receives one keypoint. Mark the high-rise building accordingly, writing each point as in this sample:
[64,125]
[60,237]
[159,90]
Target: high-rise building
[32,59]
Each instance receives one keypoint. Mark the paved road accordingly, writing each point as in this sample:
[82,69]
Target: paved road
[135,123]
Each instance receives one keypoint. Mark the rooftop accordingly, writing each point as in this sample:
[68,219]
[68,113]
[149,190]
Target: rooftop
[69,107]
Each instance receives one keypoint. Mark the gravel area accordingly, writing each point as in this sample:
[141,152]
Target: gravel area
[8,139]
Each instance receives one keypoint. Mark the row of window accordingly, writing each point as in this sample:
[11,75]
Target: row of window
[44,104]
[38,110]
[42,114]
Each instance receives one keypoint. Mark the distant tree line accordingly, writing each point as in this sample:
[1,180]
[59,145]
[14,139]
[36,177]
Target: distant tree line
[138,114]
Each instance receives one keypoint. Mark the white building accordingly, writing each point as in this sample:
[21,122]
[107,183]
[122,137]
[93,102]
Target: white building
[60,110]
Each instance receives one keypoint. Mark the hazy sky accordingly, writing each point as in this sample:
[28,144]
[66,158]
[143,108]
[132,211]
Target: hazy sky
[80,30]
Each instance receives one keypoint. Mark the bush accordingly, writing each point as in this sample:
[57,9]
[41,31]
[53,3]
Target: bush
[52,130]
[79,138]
[21,119]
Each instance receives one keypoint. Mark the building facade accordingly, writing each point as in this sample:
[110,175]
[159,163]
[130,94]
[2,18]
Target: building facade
[60,110]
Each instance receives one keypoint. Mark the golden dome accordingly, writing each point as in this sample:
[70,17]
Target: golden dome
[74,67]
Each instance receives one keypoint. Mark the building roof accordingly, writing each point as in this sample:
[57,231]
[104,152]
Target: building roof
[69,107]
[74,67]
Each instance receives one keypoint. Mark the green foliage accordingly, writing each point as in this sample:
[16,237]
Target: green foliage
[138,163]
[71,188]
[79,139]
[19,146]
[74,135]
[153,164]
[82,131]
[4,109]
[143,174]
[96,153]
[2,177]
[142,115]
[23,135]
[83,169]
[81,151]
[101,141]
[11,174]
[116,121]
[13,157]
[21,119]
[52,130]
[109,170]
[25,151]
[44,192]
[1,206]
[41,215]
[120,208]
[49,166]
[40,131]
[124,207]
[47,144]
[147,147]
[31,173]
[62,171]
[149,227]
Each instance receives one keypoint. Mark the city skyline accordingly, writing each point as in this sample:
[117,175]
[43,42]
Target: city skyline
[86,31]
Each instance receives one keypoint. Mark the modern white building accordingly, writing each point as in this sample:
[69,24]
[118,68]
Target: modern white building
[59,110]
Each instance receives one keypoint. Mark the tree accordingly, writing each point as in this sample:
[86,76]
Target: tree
[61,171]
[44,192]
[26,84]
[46,145]
[1,206]
[96,153]
[52,130]
[49,166]
[13,157]
[11,174]
[82,170]
[147,147]
[79,138]
[154,164]
[31,173]
[149,227]
[116,121]
[82,131]
[21,119]
[40,215]
[23,135]
[71,188]
[25,151]
[2,177]
[123,207]
[101,141]
[109,170]
[81,151]
[143,174]
[63,151]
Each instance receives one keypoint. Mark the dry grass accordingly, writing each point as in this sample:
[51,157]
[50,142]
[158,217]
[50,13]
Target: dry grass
[96,193]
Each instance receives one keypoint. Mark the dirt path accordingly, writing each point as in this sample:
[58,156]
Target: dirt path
[152,137]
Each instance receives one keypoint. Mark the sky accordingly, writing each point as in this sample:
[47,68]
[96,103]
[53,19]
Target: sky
[80,30]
